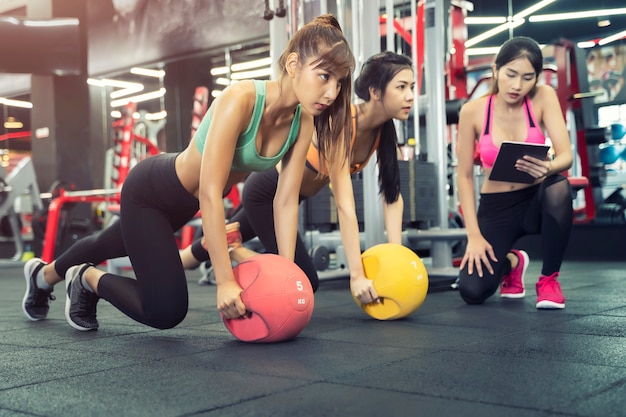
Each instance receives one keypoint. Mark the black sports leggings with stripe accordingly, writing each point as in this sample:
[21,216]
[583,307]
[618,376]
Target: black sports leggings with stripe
[503,218]
[256,219]
[154,205]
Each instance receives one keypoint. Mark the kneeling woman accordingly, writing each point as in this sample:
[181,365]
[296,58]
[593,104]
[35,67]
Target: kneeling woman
[516,109]
[251,126]
[385,84]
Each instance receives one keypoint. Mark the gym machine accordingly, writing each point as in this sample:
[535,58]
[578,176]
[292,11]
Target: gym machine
[589,139]
[129,147]
[425,180]
[19,183]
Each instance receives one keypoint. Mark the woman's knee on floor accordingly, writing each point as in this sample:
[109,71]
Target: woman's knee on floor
[167,314]
[474,289]
[471,296]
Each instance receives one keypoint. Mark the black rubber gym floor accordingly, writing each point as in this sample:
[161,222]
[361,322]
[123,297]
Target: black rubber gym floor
[504,358]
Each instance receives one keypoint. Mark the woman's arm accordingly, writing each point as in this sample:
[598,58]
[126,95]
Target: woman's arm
[343,193]
[230,116]
[551,118]
[393,220]
[286,199]
[479,251]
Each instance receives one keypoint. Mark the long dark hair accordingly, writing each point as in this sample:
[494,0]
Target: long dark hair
[323,39]
[519,47]
[376,74]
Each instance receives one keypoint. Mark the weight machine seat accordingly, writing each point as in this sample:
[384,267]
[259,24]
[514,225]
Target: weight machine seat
[578,183]
[113,208]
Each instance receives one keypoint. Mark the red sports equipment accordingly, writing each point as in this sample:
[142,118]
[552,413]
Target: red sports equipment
[278,297]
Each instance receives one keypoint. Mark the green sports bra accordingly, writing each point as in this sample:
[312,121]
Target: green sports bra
[246,157]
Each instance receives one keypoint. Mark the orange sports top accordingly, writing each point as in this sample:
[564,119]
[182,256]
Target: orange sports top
[312,157]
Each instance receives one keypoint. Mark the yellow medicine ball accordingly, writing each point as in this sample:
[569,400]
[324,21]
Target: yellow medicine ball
[400,279]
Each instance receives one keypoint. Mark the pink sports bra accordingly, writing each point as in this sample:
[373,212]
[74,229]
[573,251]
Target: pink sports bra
[488,150]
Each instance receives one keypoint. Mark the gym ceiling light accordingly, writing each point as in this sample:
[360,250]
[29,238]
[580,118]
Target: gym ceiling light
[126,87]
[16,103]
[492,32]
[513,22]
[13,123]
[609,39]
[141,97]
[147,72]
[576,15]
[487,20]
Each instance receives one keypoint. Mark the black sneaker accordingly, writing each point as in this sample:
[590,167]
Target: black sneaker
[36,302]
[80,304]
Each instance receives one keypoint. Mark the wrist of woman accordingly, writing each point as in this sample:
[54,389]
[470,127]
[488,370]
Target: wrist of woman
[550,170]
[547,174]
[357,275]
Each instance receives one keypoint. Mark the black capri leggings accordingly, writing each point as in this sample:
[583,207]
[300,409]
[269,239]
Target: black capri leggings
[154,205]
[256,218]
[503,218]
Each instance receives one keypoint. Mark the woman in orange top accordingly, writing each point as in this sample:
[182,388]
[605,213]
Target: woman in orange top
[385,85]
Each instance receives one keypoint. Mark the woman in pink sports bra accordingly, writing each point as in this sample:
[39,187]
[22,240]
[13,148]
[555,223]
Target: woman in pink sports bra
[516,109]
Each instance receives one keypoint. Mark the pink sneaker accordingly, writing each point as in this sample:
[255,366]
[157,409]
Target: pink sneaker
[512,285]
[549,294]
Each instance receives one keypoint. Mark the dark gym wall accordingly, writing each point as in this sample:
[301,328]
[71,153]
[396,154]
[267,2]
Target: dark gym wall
[167,30]
[176,34]
[60,116]
[112,40]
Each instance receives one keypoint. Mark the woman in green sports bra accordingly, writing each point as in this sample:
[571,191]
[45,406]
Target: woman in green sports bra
[385,88]
[249,129]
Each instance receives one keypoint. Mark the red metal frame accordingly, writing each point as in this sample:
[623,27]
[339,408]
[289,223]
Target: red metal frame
[456,65]
[16,135]
[568,85]
[408,38]
[125,136]
[54,213]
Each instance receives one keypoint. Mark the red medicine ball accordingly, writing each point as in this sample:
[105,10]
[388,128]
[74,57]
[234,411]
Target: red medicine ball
[278,297]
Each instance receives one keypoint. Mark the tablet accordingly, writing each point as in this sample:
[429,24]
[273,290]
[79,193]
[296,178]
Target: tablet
[504,166]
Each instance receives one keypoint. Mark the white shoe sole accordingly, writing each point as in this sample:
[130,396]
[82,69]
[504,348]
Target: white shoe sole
[514,296]
[550,305]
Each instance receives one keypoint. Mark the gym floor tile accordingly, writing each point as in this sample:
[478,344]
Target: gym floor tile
[503,358]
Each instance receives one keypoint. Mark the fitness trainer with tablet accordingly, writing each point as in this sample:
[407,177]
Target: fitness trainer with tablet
[523,192]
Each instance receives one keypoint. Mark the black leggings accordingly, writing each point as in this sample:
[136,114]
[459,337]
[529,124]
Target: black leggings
[256,219]
[154,205]
[503,218]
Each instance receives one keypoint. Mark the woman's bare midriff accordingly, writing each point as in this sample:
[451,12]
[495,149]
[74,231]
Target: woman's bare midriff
[188,170]
[490,187]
